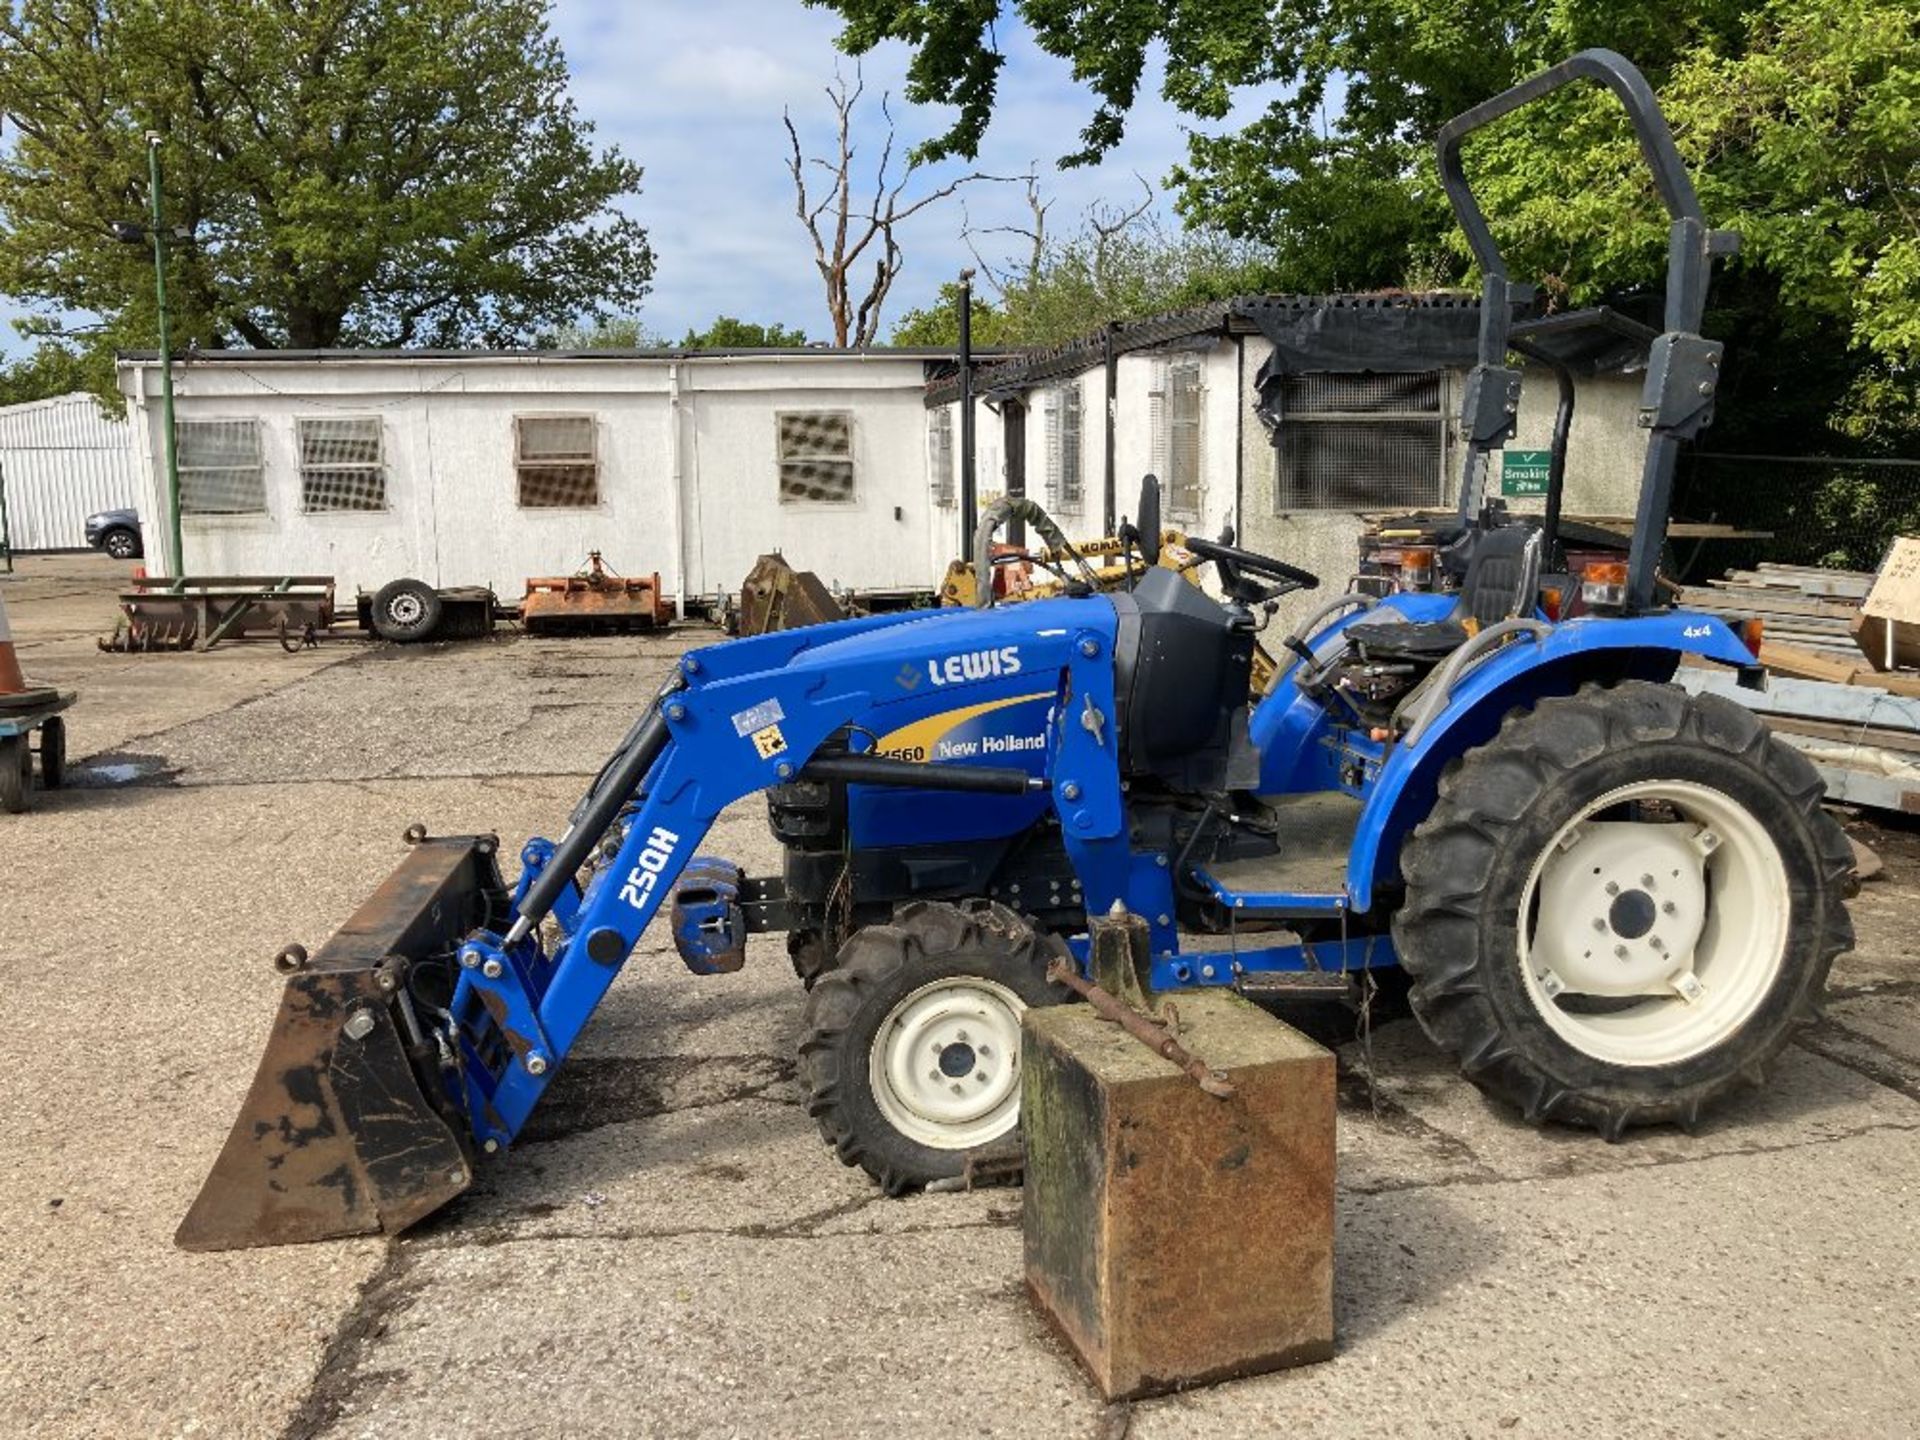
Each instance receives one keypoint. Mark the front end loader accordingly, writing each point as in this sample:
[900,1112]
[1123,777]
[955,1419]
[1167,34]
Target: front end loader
[1614,900]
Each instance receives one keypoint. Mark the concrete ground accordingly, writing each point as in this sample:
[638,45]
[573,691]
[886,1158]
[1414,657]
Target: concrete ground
[674,1252]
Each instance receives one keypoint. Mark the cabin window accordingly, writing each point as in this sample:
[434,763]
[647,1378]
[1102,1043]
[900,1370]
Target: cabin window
[220,465]
[1177,410]
[940,455]
[815,455]
[1360,442]
[555,462]
[342,466]
[1064,477]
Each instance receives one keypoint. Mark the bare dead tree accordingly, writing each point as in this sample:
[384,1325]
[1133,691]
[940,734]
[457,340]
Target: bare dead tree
[850,226]
[1011,275]
[1107,222]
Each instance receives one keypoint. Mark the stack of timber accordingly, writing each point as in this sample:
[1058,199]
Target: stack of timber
[1804,609]
[1862,737]
[1855,715]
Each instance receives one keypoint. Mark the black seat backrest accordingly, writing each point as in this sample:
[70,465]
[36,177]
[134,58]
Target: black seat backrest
[1181,667]
[1502,576]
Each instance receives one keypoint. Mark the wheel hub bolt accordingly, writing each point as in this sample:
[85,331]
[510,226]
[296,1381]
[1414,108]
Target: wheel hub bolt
[1620,952]
[1612,888]
[1670,908]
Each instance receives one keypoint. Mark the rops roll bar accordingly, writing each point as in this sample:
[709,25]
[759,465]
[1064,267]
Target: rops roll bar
[1682,367]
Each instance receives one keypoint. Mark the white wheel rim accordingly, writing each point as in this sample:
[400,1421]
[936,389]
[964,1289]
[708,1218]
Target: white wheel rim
[404,609]
[1676,925]
[945,1063]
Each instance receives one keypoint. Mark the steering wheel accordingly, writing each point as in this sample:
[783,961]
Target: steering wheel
[1230,561]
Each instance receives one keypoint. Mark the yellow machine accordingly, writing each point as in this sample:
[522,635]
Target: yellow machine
[1112,564]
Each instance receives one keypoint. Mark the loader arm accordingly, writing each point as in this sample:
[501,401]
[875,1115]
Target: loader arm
[303,1162]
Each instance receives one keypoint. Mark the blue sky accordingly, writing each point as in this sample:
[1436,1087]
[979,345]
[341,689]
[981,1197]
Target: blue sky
[694,92]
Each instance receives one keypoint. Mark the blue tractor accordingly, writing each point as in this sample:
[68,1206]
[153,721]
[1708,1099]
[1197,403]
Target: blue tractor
[1614,900]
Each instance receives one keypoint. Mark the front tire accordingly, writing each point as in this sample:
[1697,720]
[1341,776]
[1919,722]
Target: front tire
[910,1051]
[1622,905]
[121,544]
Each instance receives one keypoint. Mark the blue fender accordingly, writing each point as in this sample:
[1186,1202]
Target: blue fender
[1574,652]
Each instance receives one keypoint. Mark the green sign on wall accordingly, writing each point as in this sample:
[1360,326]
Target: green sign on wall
[1524,472]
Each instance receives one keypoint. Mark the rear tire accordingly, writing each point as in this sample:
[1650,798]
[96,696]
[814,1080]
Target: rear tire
[912,1010]
[405,611]
[16,773]
[1622,905]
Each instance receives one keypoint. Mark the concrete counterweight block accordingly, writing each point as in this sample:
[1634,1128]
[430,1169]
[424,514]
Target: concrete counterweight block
[1173,1238]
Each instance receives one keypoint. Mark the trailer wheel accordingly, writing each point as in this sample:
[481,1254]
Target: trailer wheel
[405,610]
[910,1050]
[1622,905]
[16,773]
[53,753]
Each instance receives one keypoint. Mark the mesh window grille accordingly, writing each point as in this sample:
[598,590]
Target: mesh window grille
[940,454]
[816,455]
[1360,442]
[555,462]
[1186,395]
[342,466]
[221,470]
[1064,449]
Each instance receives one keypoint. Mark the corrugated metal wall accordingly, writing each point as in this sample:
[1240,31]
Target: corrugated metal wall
[63,459]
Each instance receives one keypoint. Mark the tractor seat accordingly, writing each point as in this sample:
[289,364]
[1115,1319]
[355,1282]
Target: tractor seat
[1499,584]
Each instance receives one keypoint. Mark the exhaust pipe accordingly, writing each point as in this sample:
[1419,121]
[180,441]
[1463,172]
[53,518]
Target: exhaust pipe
[352,1126]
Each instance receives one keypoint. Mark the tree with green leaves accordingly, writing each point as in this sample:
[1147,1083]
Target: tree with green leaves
[1801,118]
[338,172]
[1332,175]
[1115,267]
[607,332]
[50,370]
[727,333]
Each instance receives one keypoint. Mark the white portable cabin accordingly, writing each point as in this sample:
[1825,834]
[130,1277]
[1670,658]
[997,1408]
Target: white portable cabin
[466,468]
[62,460]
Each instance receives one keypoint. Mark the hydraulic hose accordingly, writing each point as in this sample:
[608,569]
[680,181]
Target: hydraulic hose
[602,806]
[1014,507]
[881,770]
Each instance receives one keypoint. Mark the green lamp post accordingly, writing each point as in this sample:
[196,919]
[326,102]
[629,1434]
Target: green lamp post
[155,230]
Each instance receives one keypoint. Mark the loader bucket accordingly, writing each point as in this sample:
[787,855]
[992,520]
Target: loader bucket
[349,1128]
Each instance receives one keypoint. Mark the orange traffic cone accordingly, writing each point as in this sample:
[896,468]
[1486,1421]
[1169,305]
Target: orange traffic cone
[12,682]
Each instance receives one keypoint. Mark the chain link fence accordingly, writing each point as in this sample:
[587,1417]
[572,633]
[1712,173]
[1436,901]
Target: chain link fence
[1829,512]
